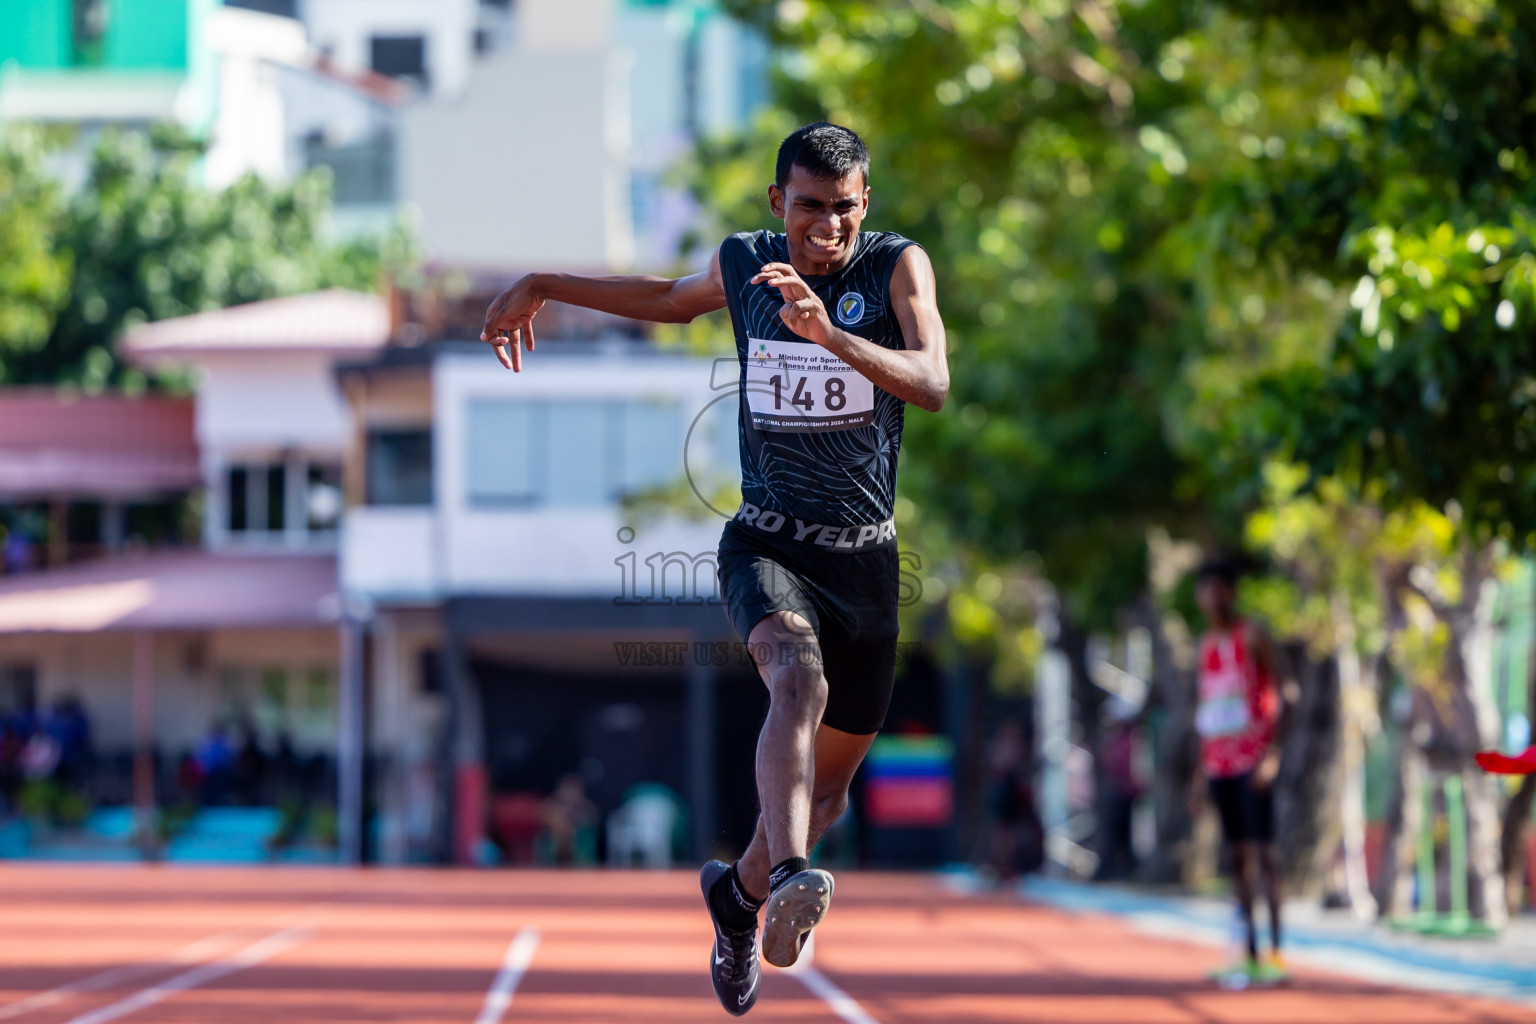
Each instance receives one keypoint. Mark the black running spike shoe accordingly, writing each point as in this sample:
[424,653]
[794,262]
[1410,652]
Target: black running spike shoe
[794,908]
[733,964]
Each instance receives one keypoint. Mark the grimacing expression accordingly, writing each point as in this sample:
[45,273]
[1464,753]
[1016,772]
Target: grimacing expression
[821,216]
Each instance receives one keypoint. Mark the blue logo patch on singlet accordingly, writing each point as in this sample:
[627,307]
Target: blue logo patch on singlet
[850,308]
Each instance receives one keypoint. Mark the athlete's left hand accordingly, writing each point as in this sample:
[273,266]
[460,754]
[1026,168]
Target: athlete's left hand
[802,311]
[1266,770]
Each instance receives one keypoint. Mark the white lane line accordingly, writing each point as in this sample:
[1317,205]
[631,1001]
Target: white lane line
[842,1004]
[250,956]
[192,953]
[513,966]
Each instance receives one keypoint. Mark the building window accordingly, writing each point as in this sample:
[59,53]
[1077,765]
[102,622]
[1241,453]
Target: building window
[18,689]
[362,171]
[323,498]
[506,465]
[277,497]
[89,18]
[649,441]
[156,523]
[400,467]
[580,462]
[571,454]
[271,711]
[281,8]
[400,57]
[239,498]
[273,497]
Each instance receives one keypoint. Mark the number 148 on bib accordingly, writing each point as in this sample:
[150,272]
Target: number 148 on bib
[800,386]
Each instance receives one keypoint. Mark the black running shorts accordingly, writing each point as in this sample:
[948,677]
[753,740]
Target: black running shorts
[1247,812]
[848,596]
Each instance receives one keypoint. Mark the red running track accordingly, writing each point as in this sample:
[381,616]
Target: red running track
[91,945]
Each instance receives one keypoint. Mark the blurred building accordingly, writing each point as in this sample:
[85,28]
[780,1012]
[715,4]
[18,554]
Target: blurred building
[508,588]
[245,79]
[515,133]
[553,149]
[412,564]
[422,571]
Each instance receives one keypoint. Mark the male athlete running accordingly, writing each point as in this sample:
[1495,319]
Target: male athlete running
[836,330]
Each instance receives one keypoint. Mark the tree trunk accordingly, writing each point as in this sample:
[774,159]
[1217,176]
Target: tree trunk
[1405,817]
[1486,899]
[1517,815]
[1087,701]
[1171,725]
[1308,790]
[1360,716]
[1477,726]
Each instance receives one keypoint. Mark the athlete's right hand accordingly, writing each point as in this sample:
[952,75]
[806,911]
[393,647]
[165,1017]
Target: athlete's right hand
[508,319]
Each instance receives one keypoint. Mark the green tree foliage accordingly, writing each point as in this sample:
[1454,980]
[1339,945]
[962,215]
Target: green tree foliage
[143,241]
[1178,241]
[34,275]
[1018,144]
[1413,190]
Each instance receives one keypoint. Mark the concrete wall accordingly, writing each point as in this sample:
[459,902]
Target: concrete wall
[269,399]
[264,407]
[458,547]
[345,28]
[528,168]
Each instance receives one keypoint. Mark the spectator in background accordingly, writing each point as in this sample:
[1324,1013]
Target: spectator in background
[284,770]
[250,768]
[1118,750]
[189,777]
[567,811]
[18,552]
[1010,802]
[40,756]
[215,766]
[70,727]
[1241,719]
[12,740]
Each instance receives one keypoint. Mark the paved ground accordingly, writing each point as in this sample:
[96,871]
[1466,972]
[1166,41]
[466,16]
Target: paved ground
[90,945]
[1503,966]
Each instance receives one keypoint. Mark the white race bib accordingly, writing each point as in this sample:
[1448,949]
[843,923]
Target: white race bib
[1223,710]
[1222,717]
[800,386]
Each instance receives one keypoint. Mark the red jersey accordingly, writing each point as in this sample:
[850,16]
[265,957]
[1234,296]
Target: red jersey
[1238,707]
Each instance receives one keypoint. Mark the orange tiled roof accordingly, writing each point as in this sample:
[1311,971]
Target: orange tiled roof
[330,321]
[95,446]
[173,590]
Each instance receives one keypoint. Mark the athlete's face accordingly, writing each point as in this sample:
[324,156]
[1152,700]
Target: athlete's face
[821,218]
[1217,600]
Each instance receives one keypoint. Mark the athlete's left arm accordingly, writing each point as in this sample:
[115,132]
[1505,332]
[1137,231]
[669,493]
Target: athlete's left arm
[918,373]
[1265,657]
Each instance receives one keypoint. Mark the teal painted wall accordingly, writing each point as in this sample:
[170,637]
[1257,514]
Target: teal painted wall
[140,34]
[35,33]
[148,34]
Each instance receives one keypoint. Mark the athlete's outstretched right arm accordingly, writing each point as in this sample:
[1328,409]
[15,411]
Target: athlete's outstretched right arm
[640,297]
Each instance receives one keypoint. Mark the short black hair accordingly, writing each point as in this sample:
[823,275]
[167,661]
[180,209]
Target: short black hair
[826,151]
[1223,568]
